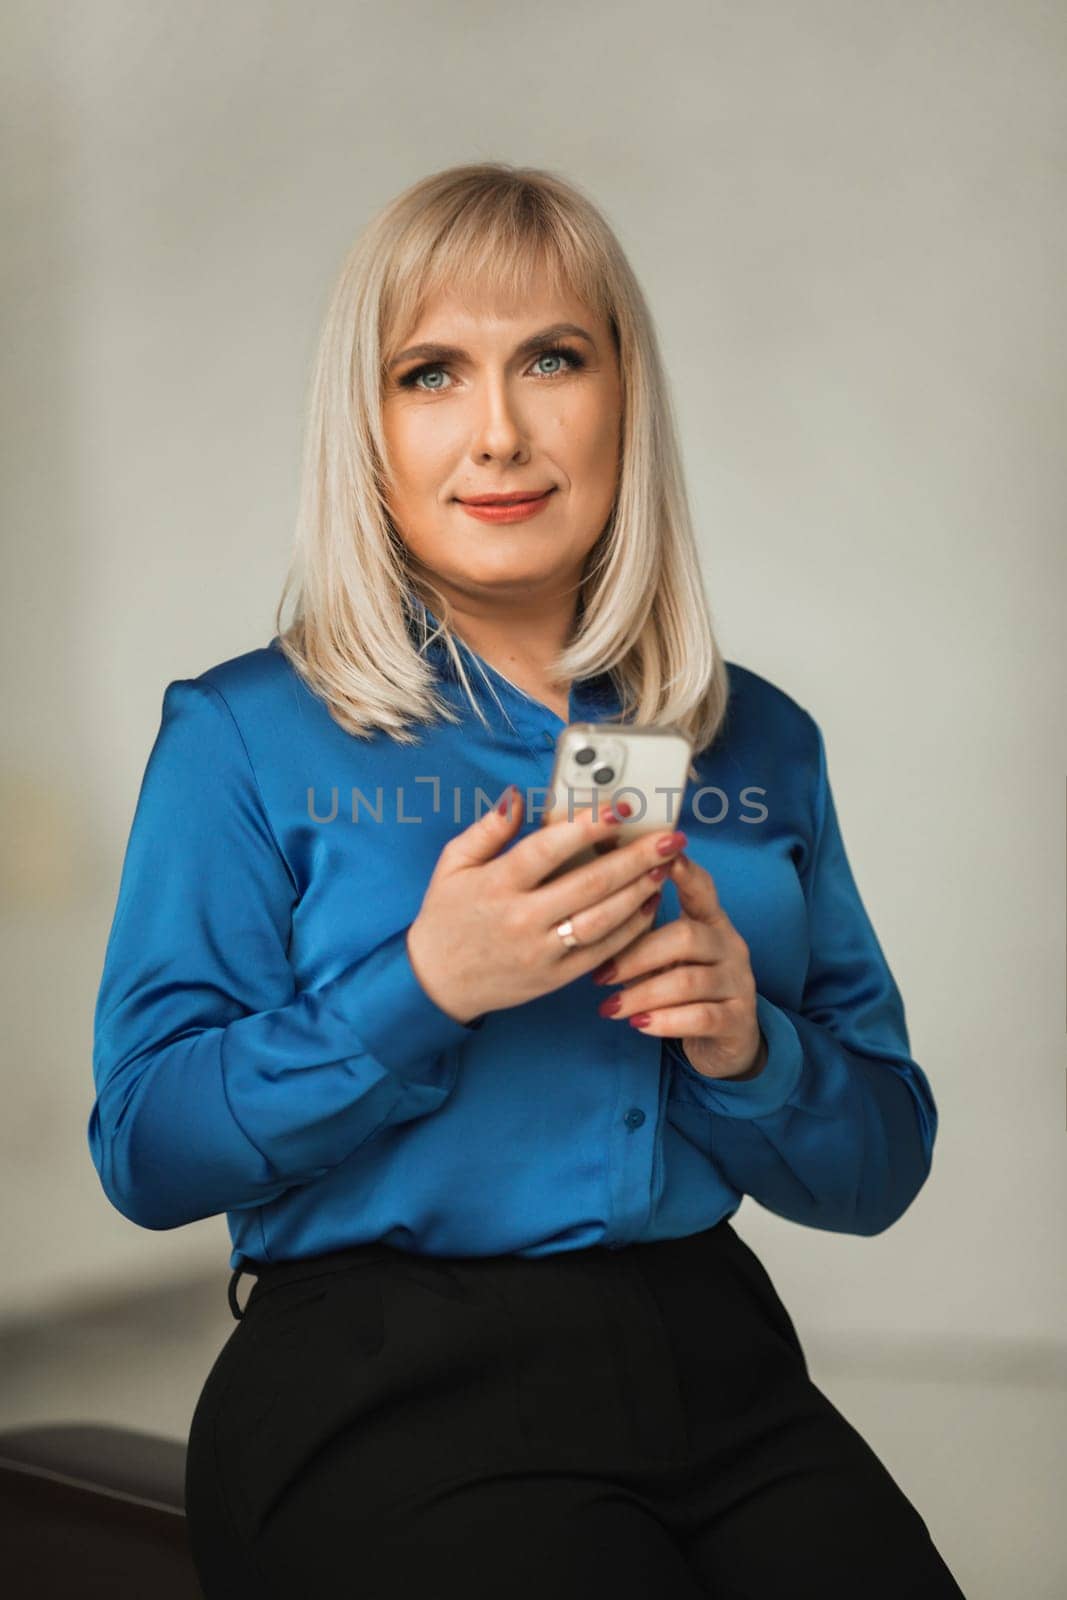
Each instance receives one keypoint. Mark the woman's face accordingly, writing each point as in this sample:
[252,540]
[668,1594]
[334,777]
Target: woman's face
[501,411]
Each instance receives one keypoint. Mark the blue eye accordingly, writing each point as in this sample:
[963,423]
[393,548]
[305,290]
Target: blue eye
[410,377]
[562,352]
[550,355]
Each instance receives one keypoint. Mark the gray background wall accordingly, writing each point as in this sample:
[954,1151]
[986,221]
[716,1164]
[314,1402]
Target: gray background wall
[848,219]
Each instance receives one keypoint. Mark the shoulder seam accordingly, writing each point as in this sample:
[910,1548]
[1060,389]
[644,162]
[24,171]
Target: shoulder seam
[819,796]
[210,688]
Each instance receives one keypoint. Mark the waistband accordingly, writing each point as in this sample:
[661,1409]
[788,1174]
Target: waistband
[272,1274]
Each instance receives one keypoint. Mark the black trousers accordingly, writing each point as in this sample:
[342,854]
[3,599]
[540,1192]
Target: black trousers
[636,1422]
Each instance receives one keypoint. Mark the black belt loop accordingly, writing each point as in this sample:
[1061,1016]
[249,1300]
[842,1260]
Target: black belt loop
[231,1292]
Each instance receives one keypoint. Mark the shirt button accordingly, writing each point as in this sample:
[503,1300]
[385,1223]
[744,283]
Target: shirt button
[634,1117]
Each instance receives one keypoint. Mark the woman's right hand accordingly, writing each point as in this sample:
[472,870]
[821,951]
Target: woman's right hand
[485,935]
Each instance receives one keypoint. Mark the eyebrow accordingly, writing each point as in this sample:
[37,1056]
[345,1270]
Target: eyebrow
[451,352]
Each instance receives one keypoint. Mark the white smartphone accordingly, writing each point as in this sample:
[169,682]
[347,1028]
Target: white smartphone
[598,763]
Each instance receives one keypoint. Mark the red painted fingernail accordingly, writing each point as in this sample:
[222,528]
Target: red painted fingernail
[657,874]
[502,803]
[640,1019]
[612,1004]
[651,903]
[605,973]
[676,841]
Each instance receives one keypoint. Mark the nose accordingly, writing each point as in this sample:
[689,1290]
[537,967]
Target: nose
[498,429]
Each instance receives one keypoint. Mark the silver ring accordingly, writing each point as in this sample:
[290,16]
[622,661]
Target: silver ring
[566,933]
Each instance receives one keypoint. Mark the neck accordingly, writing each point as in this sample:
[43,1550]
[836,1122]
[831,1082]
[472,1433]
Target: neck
[521,640]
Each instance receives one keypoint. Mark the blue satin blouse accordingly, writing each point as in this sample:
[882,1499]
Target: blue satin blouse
[263,1048]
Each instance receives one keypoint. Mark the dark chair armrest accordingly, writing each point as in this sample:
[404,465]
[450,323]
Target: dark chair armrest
[121,1462]
[89,1512]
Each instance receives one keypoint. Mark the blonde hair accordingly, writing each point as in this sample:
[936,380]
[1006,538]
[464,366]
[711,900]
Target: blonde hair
[641,613]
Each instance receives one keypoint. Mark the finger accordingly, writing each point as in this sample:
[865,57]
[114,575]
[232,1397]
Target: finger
[681,941]
[706,1019]
[593,923]
[587,885]
[485,838]
[585,957]
[697,894]
[552,845]
[681,985]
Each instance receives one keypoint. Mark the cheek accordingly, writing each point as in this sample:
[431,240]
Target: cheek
[420,454]
[593,432]
[595,467]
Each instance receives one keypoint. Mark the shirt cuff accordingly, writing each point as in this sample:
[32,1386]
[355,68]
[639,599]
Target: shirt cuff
[390,1013]
[754,1097]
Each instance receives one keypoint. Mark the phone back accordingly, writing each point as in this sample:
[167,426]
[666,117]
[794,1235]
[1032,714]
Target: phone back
[598,763]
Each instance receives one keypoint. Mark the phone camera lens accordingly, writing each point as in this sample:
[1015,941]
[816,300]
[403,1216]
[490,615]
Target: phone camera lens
[585,755]
[604,775]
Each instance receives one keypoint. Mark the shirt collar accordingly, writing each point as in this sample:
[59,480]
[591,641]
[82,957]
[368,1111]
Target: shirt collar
[592,699]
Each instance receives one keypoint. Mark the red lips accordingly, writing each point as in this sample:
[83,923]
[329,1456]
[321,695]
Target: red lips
[518,496]
[506,508]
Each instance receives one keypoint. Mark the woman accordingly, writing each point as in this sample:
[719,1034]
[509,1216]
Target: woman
[502,1334]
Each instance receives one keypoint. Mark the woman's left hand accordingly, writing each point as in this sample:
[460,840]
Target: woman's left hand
[694,980]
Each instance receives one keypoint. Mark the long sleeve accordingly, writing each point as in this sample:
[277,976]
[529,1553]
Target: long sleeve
[837,1131]
[218,1085]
